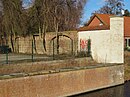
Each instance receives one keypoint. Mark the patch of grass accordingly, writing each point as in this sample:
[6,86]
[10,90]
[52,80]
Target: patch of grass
[44,65]
[127,73]
[127,65]
[70,62]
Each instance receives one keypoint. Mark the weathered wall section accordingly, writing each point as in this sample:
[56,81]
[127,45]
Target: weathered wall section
[107,46]
[24,44]
[64,83]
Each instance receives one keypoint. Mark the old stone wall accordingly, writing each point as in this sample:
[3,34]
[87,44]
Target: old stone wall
[24,44]
[63,83]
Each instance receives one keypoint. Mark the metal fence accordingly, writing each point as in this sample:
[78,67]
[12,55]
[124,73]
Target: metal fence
[8,56]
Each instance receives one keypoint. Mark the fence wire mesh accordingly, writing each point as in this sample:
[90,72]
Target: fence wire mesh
[33,50]
[9,57]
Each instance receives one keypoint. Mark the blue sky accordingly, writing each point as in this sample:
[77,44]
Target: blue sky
[93,5]
[26,3]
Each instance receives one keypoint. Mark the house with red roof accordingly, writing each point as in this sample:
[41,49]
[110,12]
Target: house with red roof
[106,34]
[102,22]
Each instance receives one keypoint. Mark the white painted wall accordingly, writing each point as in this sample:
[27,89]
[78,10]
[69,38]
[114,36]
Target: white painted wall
[107,46]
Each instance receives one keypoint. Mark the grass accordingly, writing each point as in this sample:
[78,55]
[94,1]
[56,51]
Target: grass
[127,65]
[45,66]
[8,71]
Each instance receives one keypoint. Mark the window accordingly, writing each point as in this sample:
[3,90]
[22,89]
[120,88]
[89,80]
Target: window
[127,42]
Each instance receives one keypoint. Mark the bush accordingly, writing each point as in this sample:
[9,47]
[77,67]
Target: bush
[127,48]
[5,49]
[82,54]
[89,48]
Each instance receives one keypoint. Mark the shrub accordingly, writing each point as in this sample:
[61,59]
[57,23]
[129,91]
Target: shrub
[89,48]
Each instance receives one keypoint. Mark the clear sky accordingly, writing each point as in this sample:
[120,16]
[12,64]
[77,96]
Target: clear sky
[93,5]
[26,3]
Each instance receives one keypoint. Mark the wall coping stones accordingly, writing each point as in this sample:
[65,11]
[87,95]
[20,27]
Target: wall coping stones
[44,72]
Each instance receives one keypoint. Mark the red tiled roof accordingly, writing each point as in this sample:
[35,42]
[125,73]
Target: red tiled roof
[127,26]
[105,19]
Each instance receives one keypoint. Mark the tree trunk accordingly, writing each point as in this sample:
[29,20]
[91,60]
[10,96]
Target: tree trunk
[12,43]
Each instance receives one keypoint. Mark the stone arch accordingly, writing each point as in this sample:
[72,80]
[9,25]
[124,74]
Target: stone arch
[62,35]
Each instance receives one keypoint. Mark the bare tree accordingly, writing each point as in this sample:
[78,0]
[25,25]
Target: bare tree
[57,15]
[12,10]
[66,15]
[126,13]
[40,17]
[114,7]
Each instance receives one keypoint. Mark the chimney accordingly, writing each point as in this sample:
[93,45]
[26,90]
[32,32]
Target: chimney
[117,38]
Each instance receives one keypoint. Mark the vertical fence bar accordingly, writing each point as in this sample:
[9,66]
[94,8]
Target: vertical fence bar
[32,51]
[7,61]
[53,50]
[72,47]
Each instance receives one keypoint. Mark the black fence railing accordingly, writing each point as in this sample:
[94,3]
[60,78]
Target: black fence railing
[31,52]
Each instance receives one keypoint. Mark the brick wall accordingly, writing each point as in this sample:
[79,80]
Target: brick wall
[24,44]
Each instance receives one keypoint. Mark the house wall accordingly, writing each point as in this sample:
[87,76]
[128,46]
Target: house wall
[95,22]
[107,46]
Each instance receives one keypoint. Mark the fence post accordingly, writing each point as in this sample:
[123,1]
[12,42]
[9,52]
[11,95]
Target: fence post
[6,55]
[72,47]
[32,51]
[53,50]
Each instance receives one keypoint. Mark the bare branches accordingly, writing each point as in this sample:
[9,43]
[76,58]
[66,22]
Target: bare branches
[42,16]
[112,7]
[12,16]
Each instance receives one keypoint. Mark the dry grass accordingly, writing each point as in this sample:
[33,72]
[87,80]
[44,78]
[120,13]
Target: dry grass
[127,65]
[57,64]
[41,66]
